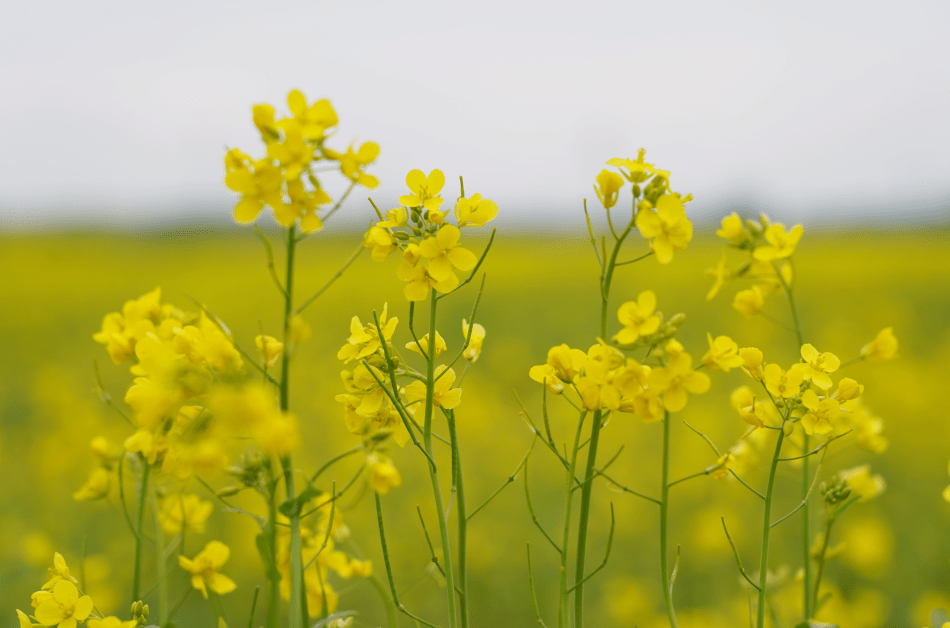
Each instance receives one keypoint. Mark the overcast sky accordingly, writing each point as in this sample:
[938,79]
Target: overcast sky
[121,111]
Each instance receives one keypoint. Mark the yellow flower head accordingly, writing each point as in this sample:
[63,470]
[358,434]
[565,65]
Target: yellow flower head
[205,569]
[353,164]
[440,345]
[780,244]
[637,318]
[668,226]
[65,609]
[444,252]
[635,170]
[294,153]
[313,120]
[189,511]
[818,365]
[104,449]
[474,348]
[443,395]
[561,368]
[59,571]
[607,187]
[395,217]
[365,341]
[263,118]
[723,354]
[675,380]
[382,474]
[749,302]
[863,483]
[848,390]
[882,348]
[752,362]
[424,190]
[269,348]
[475,211]
[418,281]
[259,183]
[96,487]
[821,413]
[751,411]
[381,242]
[786,384]
[732,228]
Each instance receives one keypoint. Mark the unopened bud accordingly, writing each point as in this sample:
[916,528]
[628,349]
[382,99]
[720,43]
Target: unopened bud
[228,491]
[400,235]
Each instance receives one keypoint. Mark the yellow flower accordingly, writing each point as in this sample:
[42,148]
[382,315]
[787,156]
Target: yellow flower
[882,348]
[104,449]
[719,274]
[419,280]
[263,118]
[365,341]
[293,153]
[303,205]
[821,413]
[205,343]
[752,362]
[475,211]
[607,187]
[561,368]
[66,608]
[862,483]
[818,365]
[723,354]
[732,228]
[440,345]
[111,622]
[781,383]
[205,569]
[780,244]
[96,487]
[635,170]
[848,390]
[751,411]
[668,226]
[258,183]
[190,510]
[24,619]
[395,217]
[252,411]
[749,302]
[443,395]
[722,466]
[676,379]
[269,348]
[382,474]
[444,253]
[59,571]
[381,241]
[637,318]
[352,164]
[474,348]
[425,190]
[314,120]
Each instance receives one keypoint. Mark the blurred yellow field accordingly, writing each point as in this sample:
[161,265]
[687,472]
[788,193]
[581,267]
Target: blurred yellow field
[891,554]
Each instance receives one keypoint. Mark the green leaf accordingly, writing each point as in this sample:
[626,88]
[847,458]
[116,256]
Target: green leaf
[266,549]
[292,507]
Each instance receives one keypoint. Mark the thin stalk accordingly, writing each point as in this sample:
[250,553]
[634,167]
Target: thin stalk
[563,607]
[160,563]
[766,531]
[664,523]
[433,471]
[299,615]
[462,521]
[143,492]
[273,601]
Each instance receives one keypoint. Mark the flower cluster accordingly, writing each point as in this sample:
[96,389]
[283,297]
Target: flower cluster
[431,252]
[295,144]
[660,212]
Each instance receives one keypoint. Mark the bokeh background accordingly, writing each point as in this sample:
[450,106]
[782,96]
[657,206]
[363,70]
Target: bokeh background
[117,116]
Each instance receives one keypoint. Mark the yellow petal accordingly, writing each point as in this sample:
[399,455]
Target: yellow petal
[217,553]
[221,584]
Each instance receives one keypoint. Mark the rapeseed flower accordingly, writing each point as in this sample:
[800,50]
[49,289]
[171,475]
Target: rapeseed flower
[313,120]
[818,365]
[381,242]
[475,211]
[668,227]
[676,379]
[863,483]
[443,395]
[96,487]
[783,384]
[424,190]
[205,569]
[882,348]
[189,511]
[723,354]
[732,228]
[607,187]
[749,302]
[445,253]
[780,244]
[382,474]
[821,414]
[269,349]
[634,170]
[752,362]
[353,164]
[474,349]
[364,341]
[638,318]
[58,572]
[561,368]
[65,608]
[440,345]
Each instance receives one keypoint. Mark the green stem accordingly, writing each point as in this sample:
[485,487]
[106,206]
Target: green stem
[583,520]
[563,608]
[160,563]
[143,492]
[462,520]
[433,471]
[821,566]
[766,530]
[387,601]
[806,532]
[664,521]
[299,616]
[273,601]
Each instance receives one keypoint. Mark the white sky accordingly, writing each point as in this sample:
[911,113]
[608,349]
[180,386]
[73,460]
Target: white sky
[121,111]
